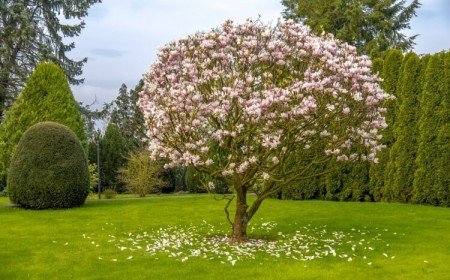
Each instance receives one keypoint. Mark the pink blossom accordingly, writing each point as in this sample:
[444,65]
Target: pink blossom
[233,101]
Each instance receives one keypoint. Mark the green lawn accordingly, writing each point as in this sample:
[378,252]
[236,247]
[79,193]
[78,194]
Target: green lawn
[409,241]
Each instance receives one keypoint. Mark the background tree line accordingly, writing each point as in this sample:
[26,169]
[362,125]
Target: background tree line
[414,166]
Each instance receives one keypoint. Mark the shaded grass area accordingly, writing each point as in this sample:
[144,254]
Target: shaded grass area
[49,244]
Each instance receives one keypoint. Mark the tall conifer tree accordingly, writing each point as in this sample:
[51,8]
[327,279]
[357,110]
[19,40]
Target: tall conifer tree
[388,185]
[443,139]
[377,66]
[391,69]
[402,155]
[128,116]
[113,156]
[425,176]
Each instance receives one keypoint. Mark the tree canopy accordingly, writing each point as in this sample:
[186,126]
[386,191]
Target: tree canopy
[34,31]
[128,116]
[372,26]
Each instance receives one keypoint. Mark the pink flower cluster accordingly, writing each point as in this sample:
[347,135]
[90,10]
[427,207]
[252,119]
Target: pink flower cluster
[240,98]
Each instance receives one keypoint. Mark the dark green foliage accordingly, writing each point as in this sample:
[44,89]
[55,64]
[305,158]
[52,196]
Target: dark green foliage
[349,182]
[49,169]
[443,166]
[311,188]
[90,116]
[442,187]
[426,177]
[46,97]
[193,181]
[371,26]
[377,66]
[391,119]
[4,192]
[169,178]
[403,152]
[196,182]
[113,152]
[399,83]
[109,193]
[128,116]
[391,68]
[34,31]
[179,174]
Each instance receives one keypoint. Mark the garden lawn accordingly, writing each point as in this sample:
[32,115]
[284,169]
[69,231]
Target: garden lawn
[95,241]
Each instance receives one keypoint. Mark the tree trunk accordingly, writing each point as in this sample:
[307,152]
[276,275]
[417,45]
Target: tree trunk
[240,218]
[3,94]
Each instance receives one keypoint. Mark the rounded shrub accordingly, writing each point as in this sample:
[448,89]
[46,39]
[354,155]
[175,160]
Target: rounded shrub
[48,169]
[109,193]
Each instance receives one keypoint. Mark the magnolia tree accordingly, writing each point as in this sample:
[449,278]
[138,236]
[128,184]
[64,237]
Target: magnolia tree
[247,103]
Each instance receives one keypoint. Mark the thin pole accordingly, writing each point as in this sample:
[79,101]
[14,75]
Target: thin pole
[98,170]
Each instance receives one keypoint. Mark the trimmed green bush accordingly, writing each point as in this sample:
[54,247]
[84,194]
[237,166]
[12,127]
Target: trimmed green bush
[46,97]
[109,193]
[49,169]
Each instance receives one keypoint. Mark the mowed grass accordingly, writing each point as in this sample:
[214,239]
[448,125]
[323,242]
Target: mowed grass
[49,244]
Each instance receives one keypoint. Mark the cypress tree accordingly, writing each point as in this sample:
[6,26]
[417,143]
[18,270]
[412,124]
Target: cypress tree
[46,97]
[377,66]
[128,116]
[388,191]
[425,176]
[391,68]
[113,153]
[443,140]
[402,155]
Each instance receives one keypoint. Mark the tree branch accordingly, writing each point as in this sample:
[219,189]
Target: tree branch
[230,199]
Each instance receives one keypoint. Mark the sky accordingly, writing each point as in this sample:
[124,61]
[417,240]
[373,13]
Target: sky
[121,38]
